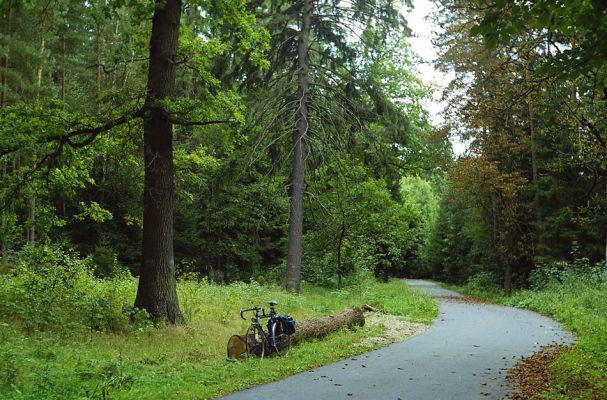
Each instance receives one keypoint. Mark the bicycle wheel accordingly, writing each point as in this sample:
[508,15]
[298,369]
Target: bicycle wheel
[257,342]
[282,344]
[279,342]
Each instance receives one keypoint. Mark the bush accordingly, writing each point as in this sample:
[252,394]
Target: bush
[547,274]
[482,282]
[52,288]
[105,262]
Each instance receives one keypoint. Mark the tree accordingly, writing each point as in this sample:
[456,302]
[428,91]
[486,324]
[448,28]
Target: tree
[157,291]
[293,271]
[531,130]
[53,130]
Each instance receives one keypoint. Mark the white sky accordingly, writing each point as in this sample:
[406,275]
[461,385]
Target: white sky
[423,32]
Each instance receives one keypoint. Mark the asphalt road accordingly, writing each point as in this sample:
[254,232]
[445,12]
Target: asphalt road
[464,355]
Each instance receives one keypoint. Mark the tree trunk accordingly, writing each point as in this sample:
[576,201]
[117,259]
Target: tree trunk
[157,291]
[99,44]
[31,204]
[42,45]
[534,175]
[293,271]
[317,328]
[62,72]
[5,59]
[342,235]
[508,278]
[31,217]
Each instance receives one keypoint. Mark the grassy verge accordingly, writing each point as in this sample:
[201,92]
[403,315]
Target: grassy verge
[580,305]
[188,361]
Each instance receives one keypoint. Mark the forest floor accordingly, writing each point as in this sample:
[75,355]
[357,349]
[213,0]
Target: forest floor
[464,355]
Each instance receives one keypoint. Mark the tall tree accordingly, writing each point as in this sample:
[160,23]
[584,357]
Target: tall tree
[157,291]
[293,272]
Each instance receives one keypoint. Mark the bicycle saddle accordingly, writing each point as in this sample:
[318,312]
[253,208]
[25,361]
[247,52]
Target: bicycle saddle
[272,303]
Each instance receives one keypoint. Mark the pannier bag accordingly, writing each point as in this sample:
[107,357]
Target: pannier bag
[287,324]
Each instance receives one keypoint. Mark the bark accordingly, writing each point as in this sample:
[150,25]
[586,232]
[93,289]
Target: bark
[293,271]
[315,328]
[42,45]
[342,235]
[157,286]
[31,204]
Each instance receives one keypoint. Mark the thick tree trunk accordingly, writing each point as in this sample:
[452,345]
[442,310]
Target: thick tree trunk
[157,287]
[293,272]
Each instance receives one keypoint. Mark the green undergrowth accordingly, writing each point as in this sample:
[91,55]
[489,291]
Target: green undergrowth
[578,302]
[51,348]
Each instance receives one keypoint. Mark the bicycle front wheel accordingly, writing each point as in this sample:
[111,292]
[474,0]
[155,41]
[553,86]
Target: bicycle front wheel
[257,342]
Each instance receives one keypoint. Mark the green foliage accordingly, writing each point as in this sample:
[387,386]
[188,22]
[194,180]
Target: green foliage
[580,23]
[356,227]
[52,289]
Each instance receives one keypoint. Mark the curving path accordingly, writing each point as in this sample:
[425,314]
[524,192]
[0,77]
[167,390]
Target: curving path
[464,355]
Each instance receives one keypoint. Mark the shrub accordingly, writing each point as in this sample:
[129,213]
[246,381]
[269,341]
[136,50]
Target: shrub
[53,288]
[546,274]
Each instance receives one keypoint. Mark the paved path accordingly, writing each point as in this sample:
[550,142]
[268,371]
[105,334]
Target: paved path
[464,355]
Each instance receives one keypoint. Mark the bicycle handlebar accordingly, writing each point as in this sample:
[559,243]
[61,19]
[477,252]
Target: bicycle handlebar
[256,309]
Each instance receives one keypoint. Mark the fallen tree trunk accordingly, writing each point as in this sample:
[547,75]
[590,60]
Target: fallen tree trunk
[314,328]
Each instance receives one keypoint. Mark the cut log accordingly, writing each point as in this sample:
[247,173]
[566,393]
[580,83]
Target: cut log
[314,328]
[237,345]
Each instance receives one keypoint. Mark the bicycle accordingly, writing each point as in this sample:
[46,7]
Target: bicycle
[278,337]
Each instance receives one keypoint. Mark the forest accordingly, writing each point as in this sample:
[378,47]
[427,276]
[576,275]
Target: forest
[158,156]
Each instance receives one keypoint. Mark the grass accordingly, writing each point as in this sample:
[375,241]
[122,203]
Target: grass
[580,305]
[187,361]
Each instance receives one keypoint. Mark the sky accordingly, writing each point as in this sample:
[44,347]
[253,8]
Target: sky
[423,31]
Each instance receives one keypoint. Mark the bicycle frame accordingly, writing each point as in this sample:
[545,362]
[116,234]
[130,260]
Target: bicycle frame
[272,323]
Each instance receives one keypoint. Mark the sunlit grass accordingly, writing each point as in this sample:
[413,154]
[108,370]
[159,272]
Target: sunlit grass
[188,361]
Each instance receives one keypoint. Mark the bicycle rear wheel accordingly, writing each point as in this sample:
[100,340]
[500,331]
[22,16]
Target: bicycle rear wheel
[282,344]
[257,343]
